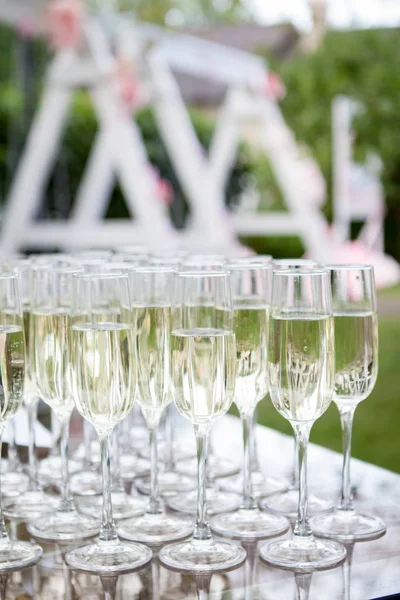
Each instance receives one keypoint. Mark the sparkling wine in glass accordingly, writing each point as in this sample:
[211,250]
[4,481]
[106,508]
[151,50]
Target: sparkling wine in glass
[356,370]
[251,288]
[104,377]
[301,360]
[151,292]
[203,367]
[14,554]
[50,367]
[33,502]
[286,502]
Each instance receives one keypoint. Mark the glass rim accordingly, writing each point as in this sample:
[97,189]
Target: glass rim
[101,275]
[153,269]
[249,266]
[119,266]
[12,274]
[204,273]
[349,267]
[52,268]
[304,271]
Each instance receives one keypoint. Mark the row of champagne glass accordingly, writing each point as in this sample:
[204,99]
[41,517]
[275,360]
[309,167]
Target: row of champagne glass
[205,305]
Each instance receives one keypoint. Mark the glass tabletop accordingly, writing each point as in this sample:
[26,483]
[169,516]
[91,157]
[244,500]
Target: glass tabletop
[372,569]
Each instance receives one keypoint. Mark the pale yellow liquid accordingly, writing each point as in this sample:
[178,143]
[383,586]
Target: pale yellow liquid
[153,331]
[356,352]
[301,366]
[12,369]
[203,372]
[49,359]
[251,331]
[103,372]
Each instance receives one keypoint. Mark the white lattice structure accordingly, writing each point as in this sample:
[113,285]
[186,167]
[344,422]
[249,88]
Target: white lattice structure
[118,150]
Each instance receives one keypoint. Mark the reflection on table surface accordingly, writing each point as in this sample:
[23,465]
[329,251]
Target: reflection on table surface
[372,570]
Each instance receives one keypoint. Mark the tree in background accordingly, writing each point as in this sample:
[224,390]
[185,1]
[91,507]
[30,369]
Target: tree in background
[364,65]
[177,13]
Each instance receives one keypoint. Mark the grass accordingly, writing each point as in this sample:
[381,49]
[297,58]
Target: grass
[376,423]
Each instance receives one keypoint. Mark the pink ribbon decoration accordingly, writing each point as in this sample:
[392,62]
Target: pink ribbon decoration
[65,20]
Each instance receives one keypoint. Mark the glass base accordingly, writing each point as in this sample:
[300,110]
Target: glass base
[131,466]
[156,529]
[262,484]
[181,452]
[169,483]
[124,506]
[204,556]
[50,471]
[109,558]
[249,524]
[13,483]
[217,502]
[303,556]
[29,505]
[348,526]
[286,504]
[86,483]
[216,467]
[18,555]
[64,527]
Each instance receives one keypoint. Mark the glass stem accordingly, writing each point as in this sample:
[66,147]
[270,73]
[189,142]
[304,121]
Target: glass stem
[295,475]
[117,482]
[32,412]
[169,440]
[346,419]
[12,448]
[202,586]
[109,585]
[255,467]
[303,583]
[3,531]
[154,506]
[346,570]
[67,503]
[302,528]
[87,443]
[55,435]
[108,532]
[249,502]
[202,529]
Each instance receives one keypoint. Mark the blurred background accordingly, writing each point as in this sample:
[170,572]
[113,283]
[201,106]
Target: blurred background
[272,123]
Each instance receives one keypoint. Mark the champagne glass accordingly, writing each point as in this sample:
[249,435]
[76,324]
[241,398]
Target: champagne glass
[151,292]
[251,287]
[87,483]
[103,375]
[49,356]
[13,554]
[203,367]
[356,353]
[217,499]
[286,502]
[33,502]
[301,378]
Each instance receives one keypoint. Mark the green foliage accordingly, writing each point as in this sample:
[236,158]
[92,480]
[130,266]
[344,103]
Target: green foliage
[364,65]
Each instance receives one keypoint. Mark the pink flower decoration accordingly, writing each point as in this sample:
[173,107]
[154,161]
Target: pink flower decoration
[274,86]
[65,23]
[26,27]
[131,90]
[164,189]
